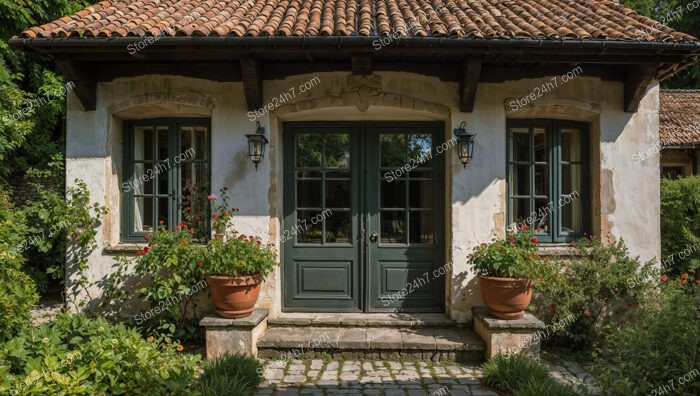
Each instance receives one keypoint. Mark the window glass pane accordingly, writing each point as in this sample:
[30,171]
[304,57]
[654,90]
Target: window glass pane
[309,148]
[308,174]
[519,211]
[540,216]
[393,226]
[520,179]
[163,152]
[338,193]
[420,149]
[421,227]
[337,174]
[162,179]
[186,142]
[393,150]
[143,214]
[541,180]
[393,194]
[143,143]
[570,145]
[420,194]
[201,148]
[141,184]
[570,179]
[163,210]
[541,146]
[309,226]
[195,187]
[571,215]
[339,227]
[309,193]
[337,151]
[520,144]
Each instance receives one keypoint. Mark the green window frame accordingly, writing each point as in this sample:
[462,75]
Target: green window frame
[152,183]
[548,178]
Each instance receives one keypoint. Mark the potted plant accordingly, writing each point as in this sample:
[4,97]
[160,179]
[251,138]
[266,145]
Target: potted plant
[235,267]
[506,269]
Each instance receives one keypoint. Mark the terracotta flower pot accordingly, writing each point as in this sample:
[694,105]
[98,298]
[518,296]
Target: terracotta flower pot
[234,297]
[506,298]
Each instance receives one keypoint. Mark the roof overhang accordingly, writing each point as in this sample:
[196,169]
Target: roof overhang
[86,61]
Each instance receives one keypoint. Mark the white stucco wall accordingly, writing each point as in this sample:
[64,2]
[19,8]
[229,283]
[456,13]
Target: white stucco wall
[626,202]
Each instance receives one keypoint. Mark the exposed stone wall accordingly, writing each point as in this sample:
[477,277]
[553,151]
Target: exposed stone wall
[24,189]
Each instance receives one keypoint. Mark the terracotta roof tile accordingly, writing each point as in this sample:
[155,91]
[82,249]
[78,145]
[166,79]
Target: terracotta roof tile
[679,116]
[490,19]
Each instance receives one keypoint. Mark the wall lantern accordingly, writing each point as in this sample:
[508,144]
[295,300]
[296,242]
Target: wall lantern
[256,144]
[465,143]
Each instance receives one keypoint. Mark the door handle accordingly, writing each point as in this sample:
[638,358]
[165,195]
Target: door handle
[373,237]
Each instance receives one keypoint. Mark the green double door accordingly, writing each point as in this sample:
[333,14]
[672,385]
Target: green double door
[364,217]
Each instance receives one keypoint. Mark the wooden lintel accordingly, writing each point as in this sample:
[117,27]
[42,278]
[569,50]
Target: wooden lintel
[471,73]
[361,64]
[636,83]
[82,81]
[252,83]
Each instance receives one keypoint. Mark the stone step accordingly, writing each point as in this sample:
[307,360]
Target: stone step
[435,344]
[396,320]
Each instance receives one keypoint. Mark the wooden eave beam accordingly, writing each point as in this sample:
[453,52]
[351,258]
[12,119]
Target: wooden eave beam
[361,64]
[636,83]
[469,81]
[84,84]
[252,82]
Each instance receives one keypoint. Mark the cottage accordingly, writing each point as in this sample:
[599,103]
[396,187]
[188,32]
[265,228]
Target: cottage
[401,133]
[679,132]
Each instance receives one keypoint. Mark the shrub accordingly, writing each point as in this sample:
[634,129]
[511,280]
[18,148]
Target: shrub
[680,225]
[79,355]
[237,256]
[13,234]
[513,257]
[659,346]
[602,281]
[231,375]
[17,297]
[521,375]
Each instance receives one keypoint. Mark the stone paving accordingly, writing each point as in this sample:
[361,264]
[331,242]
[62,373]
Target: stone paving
[323,377]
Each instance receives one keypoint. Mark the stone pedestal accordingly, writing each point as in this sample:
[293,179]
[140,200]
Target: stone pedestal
[231,336]
[520,336]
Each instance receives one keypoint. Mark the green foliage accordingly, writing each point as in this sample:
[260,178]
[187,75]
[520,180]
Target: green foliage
[239,256]
[169,269]
[231,375]
[513,257]
[222,213]
[680,225]
[17,297]
[659,346]
[521,376]
[81,356]
[591,287]
[13,234]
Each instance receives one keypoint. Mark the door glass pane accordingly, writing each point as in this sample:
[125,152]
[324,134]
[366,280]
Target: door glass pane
[393,194]
[421,227]
[143,143]
[520,179]
[520,144]
[393,226]
[541,146]
[421,193]
[392,150]
[570,145]
[163,152]
[338,194]
[339,227]
[420,148]
[309,226]
[309,150]
[541,180]
[309,193]
[143,214]
[337,151]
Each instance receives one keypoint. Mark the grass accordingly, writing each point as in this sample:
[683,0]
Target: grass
[521,376]
[231,375]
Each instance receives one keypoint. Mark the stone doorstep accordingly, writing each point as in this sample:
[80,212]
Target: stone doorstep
[400,320]
[249,322]
[358,338]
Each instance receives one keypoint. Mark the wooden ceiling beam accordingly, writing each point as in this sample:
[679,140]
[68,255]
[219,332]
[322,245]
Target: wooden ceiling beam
[469,81]
[361,64]
[636,83]
[81,77]
[252,82]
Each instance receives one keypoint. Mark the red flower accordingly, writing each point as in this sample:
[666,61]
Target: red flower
[139,253]
[177,228]
[511,239]
[181,224]
[541,280]
[697,282]
[484,244]
[664,278]
[145,250]
[526,227]
[197,218]
[199,264]
[161,222]
[616,289]
[251,237]
[685,275]
[682,282]
[225,212]
[534,240]
[241,236]
[554,307]
[225,188]
[145,238]
[586,313]
[215,217]
[191,232]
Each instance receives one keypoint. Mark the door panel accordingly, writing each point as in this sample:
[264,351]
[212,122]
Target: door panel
[363,217]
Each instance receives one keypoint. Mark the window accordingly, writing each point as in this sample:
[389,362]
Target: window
[166,176]
[672,172]
[548,178]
